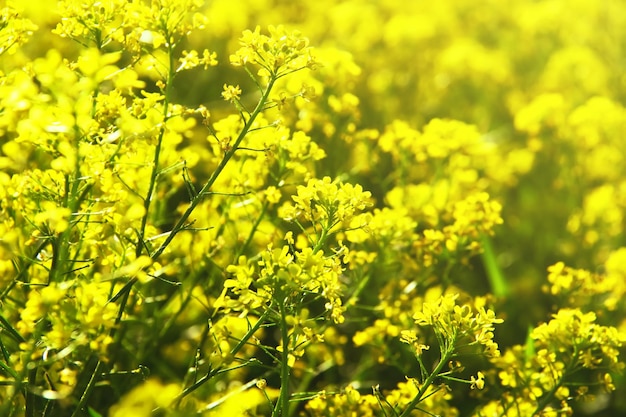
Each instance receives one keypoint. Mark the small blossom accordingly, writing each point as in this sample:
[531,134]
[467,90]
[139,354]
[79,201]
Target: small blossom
[477,382]
[231,93]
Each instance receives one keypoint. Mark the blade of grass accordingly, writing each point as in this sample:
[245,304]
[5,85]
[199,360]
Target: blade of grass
[497,281]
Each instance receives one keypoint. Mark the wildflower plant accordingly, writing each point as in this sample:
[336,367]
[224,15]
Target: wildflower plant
[206,212]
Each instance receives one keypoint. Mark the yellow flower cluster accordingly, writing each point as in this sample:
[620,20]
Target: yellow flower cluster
[541,382]
[283,274]
[578,340]
[587,290]
[278,54]
[325,203]
[350,401]
[14,29]
[455,324]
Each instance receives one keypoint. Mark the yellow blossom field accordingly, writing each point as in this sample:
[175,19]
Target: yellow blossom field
[316,208]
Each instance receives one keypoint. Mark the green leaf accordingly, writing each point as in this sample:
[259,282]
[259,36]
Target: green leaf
[498,283]
[93,413]
[10,330]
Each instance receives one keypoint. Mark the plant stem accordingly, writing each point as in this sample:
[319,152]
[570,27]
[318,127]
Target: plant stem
[233,352]
[282,404]
[157,154]
[180,225]
[255,226]
[87,392]
[545,400]
[71,200]
[429,381]
[251,331]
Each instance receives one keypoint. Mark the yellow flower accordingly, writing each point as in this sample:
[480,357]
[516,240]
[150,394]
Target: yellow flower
[231,93]
[278,54]
[188,60]
[477,382]
[454,323]
[144,398]
[272,194]
[14,30]
[52,217]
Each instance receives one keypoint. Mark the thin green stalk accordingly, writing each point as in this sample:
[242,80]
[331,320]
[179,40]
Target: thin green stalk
[282,404]
[71,200]
[325,232]
[354,297]
[194,386]
[193,367]
[151,187]
[212,372]
[321,240]
[429,381]
[79,410]
[22,269]
[255,226]
[546,399]
[154,174]
[180,225]
[233,352]
[171,320]
[148,199]
[10,330]
[20,384]
[252,330]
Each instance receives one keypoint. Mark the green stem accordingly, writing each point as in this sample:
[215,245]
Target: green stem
[255,226]
[282,404]
[429,381]
[354,297]
[171,318]
[21,385]
[157,154]
[8,328]
[325,231]
[233,352]
[180,225]
[148,199]
[251,331]
[321,241]
[22,269]
[71,200]
[545,400]
[79,410]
